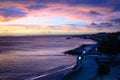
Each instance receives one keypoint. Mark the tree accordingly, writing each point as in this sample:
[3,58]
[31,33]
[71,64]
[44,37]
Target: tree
[110,44]
[103,69]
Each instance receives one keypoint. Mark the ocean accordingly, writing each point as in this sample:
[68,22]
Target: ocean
[28,56]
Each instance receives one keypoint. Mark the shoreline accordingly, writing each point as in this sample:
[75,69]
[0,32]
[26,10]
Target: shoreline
[87,48]
[62,73]
[79,50]
[57,74]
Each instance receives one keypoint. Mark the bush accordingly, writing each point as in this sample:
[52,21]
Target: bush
[103,69]
[110,45]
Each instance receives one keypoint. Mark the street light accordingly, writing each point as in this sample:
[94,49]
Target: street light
[79,57]
[84,52]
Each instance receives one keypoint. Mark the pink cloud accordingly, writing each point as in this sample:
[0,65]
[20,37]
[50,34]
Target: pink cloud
[73,13]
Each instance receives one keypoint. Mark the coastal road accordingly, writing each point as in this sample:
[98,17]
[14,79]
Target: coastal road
[88,71]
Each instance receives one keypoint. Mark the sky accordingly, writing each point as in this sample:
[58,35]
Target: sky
[41,17]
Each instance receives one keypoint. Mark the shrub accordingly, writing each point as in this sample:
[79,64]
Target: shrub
[103,69]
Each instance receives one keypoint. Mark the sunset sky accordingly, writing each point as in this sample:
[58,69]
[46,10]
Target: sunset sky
[41,17]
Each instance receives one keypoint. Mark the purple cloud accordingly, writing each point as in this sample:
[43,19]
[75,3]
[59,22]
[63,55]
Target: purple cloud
[12,12]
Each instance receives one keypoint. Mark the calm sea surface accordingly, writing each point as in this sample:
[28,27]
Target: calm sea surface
[31,56]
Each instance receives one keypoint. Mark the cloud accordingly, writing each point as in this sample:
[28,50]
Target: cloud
[116,8]
[101,13]
[117,20]
[72,28]
[72,9]
[95,13]
[32,3]
[37,6]
[74,2]
[100,25]
[12,12]
[104,27]
[8,13]
[94,24]
[106,24]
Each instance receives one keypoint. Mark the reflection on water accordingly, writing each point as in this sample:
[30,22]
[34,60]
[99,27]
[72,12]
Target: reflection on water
[31,56]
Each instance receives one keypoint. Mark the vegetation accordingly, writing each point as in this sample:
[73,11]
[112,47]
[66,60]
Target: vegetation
[110,44]
[103,69]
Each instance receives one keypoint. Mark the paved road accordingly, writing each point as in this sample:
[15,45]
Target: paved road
[88,71]
[90,68]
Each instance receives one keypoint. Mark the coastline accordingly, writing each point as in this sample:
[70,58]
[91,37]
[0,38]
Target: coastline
[89,49]
[79,50]
[89,64]
[55,75]
[62,74]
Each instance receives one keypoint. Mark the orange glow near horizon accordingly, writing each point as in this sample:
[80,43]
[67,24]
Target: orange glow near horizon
[54,18]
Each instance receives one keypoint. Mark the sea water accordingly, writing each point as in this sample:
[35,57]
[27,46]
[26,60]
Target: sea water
[29,56]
